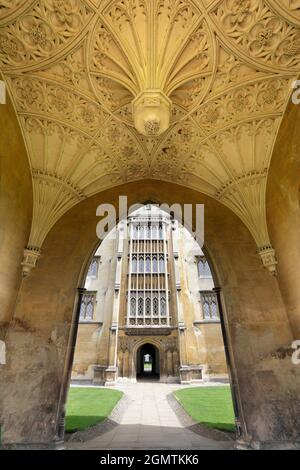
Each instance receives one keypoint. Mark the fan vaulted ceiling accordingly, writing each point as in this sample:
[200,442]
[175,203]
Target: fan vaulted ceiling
[73,68]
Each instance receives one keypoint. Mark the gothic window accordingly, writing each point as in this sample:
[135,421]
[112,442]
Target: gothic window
[148,232]
[89,311]
[140,307]
[154,264]
[148,264]
[155,306]
[133,306]
[206,309]
[148,306]
[141,264]
[203,267]
[135,232]
[161,264]
[160,233]
[134,264]
[93,269]
[87,306]
[214,308]
[82,310]
[210,305]
[147,292]
[163,306]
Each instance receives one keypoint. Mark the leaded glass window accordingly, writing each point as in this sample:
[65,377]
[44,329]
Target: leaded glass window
[133,306]
[210,305]
[163,306]
[134,264]
[87,306]
[141,307]
[141,264]
[148,292]
[148,306]
[160,232]
[154,264]
[203,267]
[155,306]
[148,264]
[93,268]
[161,264]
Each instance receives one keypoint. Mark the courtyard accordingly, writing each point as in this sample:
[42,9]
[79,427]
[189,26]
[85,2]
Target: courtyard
[149,421]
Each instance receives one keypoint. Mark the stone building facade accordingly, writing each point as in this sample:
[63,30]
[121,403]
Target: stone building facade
[149,309]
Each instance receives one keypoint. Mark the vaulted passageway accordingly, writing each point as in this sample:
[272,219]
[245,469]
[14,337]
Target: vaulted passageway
[39,343]
[76,132]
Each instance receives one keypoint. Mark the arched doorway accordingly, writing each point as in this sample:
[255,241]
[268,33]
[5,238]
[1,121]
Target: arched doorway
[147,362]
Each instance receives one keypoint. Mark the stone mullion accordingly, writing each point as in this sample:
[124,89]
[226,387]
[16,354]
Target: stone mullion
[158,273]
[111,371]
[130,230]
[151,273]
[138,275]
[166,275]
[144,275]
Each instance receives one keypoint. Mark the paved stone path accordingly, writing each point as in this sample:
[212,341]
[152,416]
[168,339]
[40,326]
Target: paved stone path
[149,423]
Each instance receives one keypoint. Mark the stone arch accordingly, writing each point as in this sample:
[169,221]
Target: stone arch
[137,346]
[156,354]
[254,316]
[283,211]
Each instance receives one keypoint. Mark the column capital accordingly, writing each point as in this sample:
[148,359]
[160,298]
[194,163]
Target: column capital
[268,258]
[30,259]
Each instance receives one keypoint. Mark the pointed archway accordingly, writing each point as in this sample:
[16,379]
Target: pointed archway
[147,362]
[41,338]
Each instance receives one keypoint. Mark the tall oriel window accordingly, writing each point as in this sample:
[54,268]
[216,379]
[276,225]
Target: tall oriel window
[148,277]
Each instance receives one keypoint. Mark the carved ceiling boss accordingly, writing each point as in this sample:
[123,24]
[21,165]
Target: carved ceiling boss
[109,92]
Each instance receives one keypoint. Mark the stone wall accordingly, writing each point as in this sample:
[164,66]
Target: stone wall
[15,210]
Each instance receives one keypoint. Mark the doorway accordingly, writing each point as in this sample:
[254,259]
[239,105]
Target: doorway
[147,362]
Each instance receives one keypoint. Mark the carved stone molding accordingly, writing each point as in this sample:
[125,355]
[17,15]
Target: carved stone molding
[73,69]
[53,196]
[31,256]
[268,258]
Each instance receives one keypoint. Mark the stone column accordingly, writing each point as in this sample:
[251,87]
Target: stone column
[112,369]
[184,371]
[169,363]
[61,409]
[120,364]
[111,372]
[126,364]
[175,363]
[230,364]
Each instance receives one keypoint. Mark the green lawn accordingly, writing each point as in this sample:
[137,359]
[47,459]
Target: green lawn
[210,406]
[89,406]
